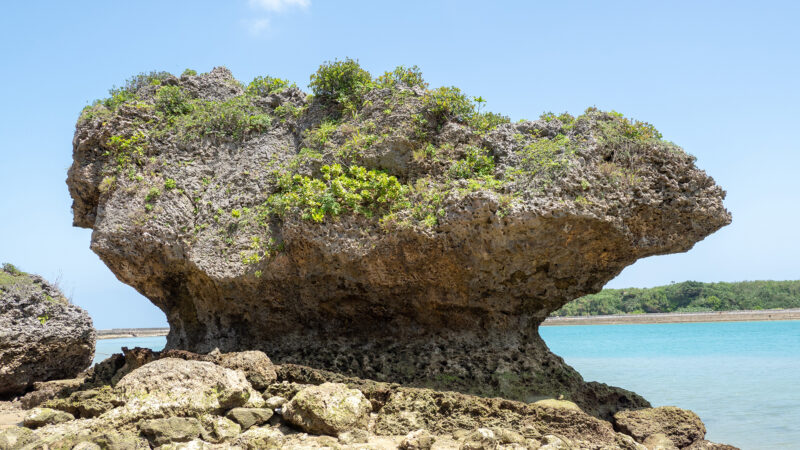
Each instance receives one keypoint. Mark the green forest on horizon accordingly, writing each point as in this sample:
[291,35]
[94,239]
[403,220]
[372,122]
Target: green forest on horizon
[688,296]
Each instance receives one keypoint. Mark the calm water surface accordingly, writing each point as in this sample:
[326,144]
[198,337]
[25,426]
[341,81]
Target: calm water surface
[740,377]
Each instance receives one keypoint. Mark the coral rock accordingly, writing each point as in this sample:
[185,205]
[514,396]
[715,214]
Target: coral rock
[410,240]
[329,408]
[42,336]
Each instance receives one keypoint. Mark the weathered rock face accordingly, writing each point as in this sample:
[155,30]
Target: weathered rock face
[42,336]
[259,218]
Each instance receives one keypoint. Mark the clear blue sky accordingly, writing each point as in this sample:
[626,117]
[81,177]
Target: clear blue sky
[719,78]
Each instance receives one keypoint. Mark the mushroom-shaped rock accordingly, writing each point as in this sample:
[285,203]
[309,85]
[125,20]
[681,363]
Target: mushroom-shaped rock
[330,408]
[411,239]
[42,335]
[680,426]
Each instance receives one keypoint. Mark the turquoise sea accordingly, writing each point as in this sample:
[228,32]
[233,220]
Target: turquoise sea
[740,377]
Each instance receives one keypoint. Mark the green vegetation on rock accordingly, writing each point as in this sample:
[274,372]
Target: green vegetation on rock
[689,296]
[356,189]
[344,161]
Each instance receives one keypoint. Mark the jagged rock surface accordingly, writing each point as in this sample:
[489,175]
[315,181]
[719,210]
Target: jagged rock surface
[42,336]
[444,287]
[400,417]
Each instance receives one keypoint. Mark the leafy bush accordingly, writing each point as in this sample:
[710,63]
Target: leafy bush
[152,194]
[189,73]
[544,157]
[341,82]
[408,76]
[170,184]
[172,101]
[356,189]
[487,121]
[127,150]
[12,269]
[230,119]
[476,163]
[448,103]
[319,136]
[263,86]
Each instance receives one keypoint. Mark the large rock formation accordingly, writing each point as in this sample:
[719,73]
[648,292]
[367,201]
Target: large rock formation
[378,228]
[42,336]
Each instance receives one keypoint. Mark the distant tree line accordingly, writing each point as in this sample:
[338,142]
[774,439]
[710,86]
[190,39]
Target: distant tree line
[689,296]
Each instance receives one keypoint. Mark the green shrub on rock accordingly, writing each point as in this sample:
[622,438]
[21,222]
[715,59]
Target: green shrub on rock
[263,86]
[341,82]
[172,101]
[356,189]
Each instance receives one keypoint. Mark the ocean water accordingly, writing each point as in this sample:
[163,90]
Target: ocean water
[742,378]
[107,347]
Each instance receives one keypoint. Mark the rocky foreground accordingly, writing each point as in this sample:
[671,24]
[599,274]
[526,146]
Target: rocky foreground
[181,400]
[378,228]
[42,336]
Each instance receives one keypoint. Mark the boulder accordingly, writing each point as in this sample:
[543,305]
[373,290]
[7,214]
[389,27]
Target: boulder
[418,440]
[260,438]
[330,408]
[219,429]
[14,437]
[39,417]
[680,426]
[400,236]
[480,439]
[172,386]
[256,366]
[171,429]
[659,441]
[42,335]
[248,417]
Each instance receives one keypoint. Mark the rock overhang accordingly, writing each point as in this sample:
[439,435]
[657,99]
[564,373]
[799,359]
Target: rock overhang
[259,217]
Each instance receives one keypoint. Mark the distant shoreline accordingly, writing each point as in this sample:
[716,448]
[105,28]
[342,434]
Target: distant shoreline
[619,319]
[712,316]
[118,333]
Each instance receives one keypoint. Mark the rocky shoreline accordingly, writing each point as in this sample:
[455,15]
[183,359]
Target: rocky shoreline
[616,319]
[177,399]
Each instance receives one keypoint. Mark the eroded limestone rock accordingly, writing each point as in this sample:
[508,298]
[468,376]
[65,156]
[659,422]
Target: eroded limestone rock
[329,408]
[39,417]
[682,427]
[248,417]
[276,228]
[42,336]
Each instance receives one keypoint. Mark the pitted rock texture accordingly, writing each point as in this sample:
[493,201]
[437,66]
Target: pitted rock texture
[318,408]
[437,277]
[42,336]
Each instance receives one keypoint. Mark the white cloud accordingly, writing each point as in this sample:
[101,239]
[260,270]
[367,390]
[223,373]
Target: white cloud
[279,5]
[257,26]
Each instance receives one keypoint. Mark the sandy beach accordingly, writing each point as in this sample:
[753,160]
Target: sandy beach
[117,333]
[716,316]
